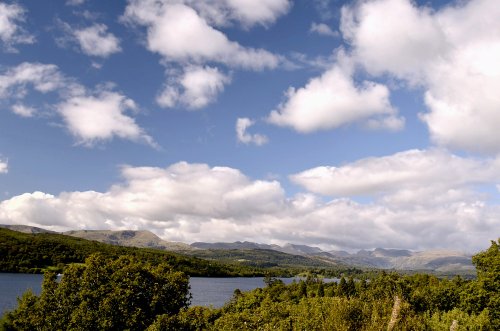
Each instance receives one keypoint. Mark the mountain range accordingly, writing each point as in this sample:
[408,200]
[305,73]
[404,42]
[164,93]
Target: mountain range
[443,261]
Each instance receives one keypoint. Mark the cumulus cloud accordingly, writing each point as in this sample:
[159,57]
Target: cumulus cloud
[242,125]
[450,53]
[89,117]
[245,12]
[100,117]
[264,12]
[322,29]
[95,40]
[333,100]
[4,166]
[195,202]
[195,88]
[11,32]
[187,34]
[41,77]
[178,33]
[402,45]
[404,171]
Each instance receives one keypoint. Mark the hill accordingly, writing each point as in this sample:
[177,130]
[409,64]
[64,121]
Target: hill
[25,228]
[439,261]
[33,253]
[129,238]
[289,256]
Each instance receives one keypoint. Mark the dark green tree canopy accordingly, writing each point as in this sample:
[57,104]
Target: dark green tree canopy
[103,294]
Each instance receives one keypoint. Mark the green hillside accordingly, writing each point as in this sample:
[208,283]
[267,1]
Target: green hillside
[34,253]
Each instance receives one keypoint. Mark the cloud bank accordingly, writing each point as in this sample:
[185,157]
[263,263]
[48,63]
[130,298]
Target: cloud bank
[195,202]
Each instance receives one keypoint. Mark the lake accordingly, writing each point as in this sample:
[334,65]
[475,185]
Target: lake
[205,291]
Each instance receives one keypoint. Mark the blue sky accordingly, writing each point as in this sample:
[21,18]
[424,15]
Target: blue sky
[341,124]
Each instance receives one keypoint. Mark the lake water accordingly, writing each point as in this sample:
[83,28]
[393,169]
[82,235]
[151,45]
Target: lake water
[205,291]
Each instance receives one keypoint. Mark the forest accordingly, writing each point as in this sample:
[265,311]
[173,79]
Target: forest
[127,293]
[36,253]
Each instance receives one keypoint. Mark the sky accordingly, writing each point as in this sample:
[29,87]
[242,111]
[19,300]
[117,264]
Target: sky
[337,124]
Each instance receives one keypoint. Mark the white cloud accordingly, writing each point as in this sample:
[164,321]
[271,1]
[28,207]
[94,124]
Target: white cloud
[195,88]
[245,12]
[185,33]
[250,12]
[404,171]
[74,2]
[42,77]
[94,118]
[333,100]
[194,202]
[323,29]
[90,118]
[178,33]
[242,124]
[11,33]
[392,36]
[96,41]
[450,53]
[4,166]
[23,110]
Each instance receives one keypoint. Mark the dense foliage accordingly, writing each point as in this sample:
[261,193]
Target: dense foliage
[102,294]
[34,253]
[275,262]
[388,301]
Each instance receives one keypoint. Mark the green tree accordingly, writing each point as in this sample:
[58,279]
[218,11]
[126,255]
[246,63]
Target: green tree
[103,294]
[321,289]
[342,289]
[485,292]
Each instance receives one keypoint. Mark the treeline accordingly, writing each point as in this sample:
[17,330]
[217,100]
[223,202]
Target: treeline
[121,294]
[36,253]
[388,301]
[289,265]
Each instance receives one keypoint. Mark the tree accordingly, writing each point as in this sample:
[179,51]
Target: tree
[103,294]
[321,289]
[342,289]
[351,287]
[485,292]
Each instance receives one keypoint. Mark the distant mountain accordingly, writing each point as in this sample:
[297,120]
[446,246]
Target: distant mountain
[131,238]
[299,249]
[25,228]
[444,261]
[436,260]
[381,258]
[234,245]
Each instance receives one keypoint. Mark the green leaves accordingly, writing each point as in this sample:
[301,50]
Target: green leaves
[104,294]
